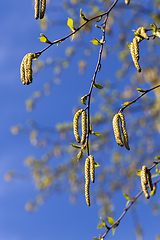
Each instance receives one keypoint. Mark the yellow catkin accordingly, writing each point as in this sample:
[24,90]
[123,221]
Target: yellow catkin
[84,127]
[144,188]
[134,58]
[149,178]
[144,175]
[144,181]
[124,131]
[92,170]
[144,34]
[36,8]
[87,181]
[43,8]
[136,47]
[127,2]
[116,130]
[26,69]
[75,125]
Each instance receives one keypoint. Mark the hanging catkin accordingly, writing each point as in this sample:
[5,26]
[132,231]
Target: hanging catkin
[36,8]
[92,170]
[144,181]
[75,125]
[124,131]
[149,179]
[87,181]
[26,69]
[84,127]
[116,129]
[43,8]
[136,47]
[134,57]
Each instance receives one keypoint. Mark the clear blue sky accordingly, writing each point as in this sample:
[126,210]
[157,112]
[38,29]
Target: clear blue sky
[57,218]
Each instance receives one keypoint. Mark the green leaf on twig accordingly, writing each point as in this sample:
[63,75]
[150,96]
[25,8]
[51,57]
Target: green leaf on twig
[43,38]
[96,85]
[154,27]
[125,104]
[100,225]
[113,230]
[126,196]
[95,41]
[127,203]
[140,90]
[157,157]
[70,23]
[138,172]
[96,164]
[79,155]
[103,221]
[110,220]
[96,238]
[83,100]
[96,133]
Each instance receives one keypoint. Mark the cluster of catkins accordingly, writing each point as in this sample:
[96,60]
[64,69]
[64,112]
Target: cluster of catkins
[146,179]
[40,8]
[117,132]
[140,34]
[89,172]
[89,163]
[26,68]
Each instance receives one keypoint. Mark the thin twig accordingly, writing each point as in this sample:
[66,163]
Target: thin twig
[145,91]
[129,206]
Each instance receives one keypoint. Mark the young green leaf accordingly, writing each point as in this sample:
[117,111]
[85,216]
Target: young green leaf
[127,203]
[154,27]
[153,192]
[43,38]
[103,221]
[140,90]
[95,41]
[83,100]
[96,238]
[70,24]
[101,225]
[110,220]
[79,155]
[126,196]
[157,157]
[96,85]
[113,230]
[125,104]
[96,133]
[96,164]
[138,172]
[75,146]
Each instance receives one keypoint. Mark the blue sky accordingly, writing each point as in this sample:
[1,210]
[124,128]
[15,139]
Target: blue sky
[56,218]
